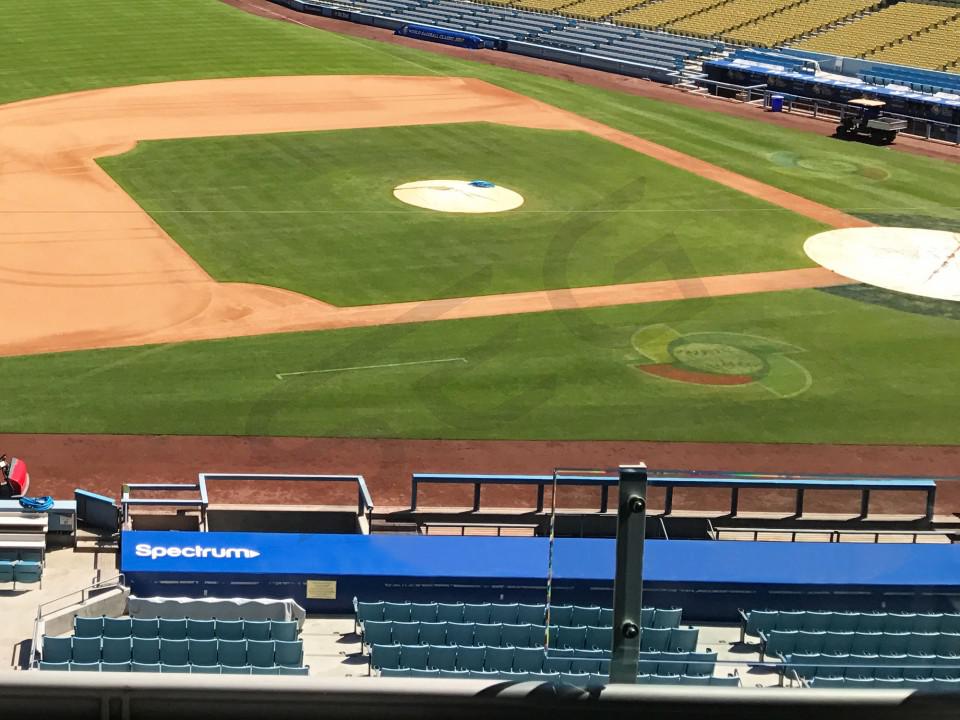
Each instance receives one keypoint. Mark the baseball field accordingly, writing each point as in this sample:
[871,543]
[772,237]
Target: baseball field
[200,237]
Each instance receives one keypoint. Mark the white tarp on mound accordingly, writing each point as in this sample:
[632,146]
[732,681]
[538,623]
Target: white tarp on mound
[219,608]
[457,196]
[908,260]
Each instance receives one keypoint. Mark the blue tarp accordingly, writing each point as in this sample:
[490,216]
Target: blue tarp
[441,35]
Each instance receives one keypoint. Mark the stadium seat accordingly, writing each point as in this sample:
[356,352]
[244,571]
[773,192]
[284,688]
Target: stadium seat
[898,622]
[484,675]
[424,673]
[260,653]
[672,663]
[837,643]
[919,644]
[288,653]
[701,663]
[117,627]
[890,666]
[442,657]
[487,634]
[87,627]
[871,622]
[683,639]
[146,650]
[606,617]
[648,663]
[452,612]
[780,643]
[28,572]
[646,617]
[145,628]
[422,612]
[460,633]
[528,659]
[44,665]
[584,665]
[173,629]
[476,613]
[948,644]
[866,643]
[893,643]
[575,679]
[760,621]
[654,639]
[433,633]
[498,659]
[398,612]
[538,634]
[665,679]
[204,669]
[6,571]
[803,665]
[584,616]
[235,669]
[860,667]
[271,670]
[513,676]
[597,680]
[571,637]
[927,622]
[294,670]
[455,674]
[544,676]
[825,682]
[115,650]
[504,613]
[950,623]
[515,635]
[84,667]
[918,667]
[918,683]
[285,630]
[414,656]
[406,633]
[814,621]
[85,650]
[531,614]
[174,652]
[598,638]
[563,615]
[256,629]
[470,657]
[789,620]
[57,650]
[368,611]
[145,667]
[888,683]
[381,656]
[808,641]
[394,672]
[695,680]
[377,632]
[843,622]
[202,652]
[726,681]
[164,668]
[556,664]
[664,618]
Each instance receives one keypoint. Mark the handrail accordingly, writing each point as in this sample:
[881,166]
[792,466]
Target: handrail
[113,581]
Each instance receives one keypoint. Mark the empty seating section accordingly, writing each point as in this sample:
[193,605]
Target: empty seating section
[934,49]
[885,683]
[543,5]
[758,622]
[128,644]
[659,14]
[796,20]
[597,9]
[880,29]
[781,643]
[730,15]
[570,678]
[21,566]
[914,78]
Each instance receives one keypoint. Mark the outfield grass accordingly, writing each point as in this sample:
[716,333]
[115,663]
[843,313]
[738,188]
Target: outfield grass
[877,375]
[315,213]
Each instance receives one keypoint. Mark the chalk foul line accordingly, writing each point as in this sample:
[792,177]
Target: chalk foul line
[281,376]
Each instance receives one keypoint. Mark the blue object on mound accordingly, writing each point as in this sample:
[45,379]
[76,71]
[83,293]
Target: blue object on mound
[37,504]
[481,183]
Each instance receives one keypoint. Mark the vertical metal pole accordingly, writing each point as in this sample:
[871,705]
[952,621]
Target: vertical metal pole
[553,525]
[628,581]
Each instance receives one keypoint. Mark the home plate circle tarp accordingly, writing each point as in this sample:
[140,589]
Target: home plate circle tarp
[907,260]
[458,196]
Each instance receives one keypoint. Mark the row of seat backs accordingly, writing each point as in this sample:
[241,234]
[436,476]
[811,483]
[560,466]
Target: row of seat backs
[784,642]
[261,653]
[185,628]
[21,555]
[575,679]
[472,657]
[891,683]
[25,571]
[386,632]
[880,666]
[763,621]
[157,667]
[513,613]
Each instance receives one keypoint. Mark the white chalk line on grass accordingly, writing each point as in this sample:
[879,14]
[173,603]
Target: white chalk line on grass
[281,376]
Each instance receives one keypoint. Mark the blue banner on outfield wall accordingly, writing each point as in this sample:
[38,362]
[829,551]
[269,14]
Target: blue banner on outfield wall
[441,35]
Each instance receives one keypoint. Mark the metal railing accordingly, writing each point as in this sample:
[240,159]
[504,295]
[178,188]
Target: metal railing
[833,536]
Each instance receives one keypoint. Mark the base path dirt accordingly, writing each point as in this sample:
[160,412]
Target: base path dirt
[102,463]
[91,269]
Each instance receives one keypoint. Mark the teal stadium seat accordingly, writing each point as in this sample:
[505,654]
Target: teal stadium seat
[683,639]
[826,683]
[288,653]
[899,622]
[44,665]
[597,680]
[556,664]
[85,650]
[484,675]
[419,612]
[950,623]
[528,659]
[487,634]
[584,616]
[654,639]
[173,628]
[406,633]
[531,614]
[294,670]
[57,650]
[665,679]
[455,674]
[119,627]
[599,638]
[948,644]
[922,643]
[871,622]
[424,673]
[377,632]
[285,630]
[470,657]
[271,670]
[450,612]
[174,652]
[498,659]
[504,613]
[571,637]
[843,622]
[381,656]
[145,628]
[442,657]
[816,621]
[460,633]
[146,650]
[398,612]
[538,634]
[701,663]
[789,620]
[560,615]
[256,629]
[229,630]
[672,663]
[667,618]
[646,617]
[837,643]
[551,677]
[366,611]
[575,679]
[606,617]
[584,665]
[84,667]
[202,652]
[694,680]
[433,633]
[164,668]
[927,622]
[893,643]
[760,621]
[235,669]
[87,627]
[145,667]
[204,669]
[810,641]
[648,663]
[115,650]
[260,653]
[476,613]
[515,635]
[394,672]
[26,572]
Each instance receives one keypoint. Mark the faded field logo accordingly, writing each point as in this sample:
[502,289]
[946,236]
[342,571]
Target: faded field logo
[720,359]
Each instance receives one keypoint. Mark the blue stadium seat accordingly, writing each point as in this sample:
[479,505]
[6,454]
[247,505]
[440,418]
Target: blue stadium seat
[406,633]
[531,614]
[423,612]
[561,615]
[450,612]
[460,633]
[515,635]
[44,665]
[85,650]
[204,669]
[285,630]
[145,667]
[260,653]
[57,650]
[504,613]
[664,618]
[648,663]
[398,612]
[571,637]
[683,639]
[173,628]
[383,656]
[487,634]
[538,633]
[173,652]
[115,650]
[476,613]
[498,659]
[235,669]
[202,652]
[470,657]
[85,667]
[528,659]
[288,653]
[87,627]
[145,628]
[146,651]
[433,633]
[584,616]
[803,665]
[229,630]
[414,657]
[654,639]
[378,632]
[28,572]
[120,627]
[256,629]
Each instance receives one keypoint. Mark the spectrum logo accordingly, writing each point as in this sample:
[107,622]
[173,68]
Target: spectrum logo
[194,551]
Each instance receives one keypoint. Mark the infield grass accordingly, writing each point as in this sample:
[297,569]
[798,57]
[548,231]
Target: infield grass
[315,213]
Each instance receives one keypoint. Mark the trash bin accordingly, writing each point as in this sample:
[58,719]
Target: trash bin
[776,103]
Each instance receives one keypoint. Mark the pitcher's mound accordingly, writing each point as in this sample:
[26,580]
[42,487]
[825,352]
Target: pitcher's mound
[458,196]
[908,260]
